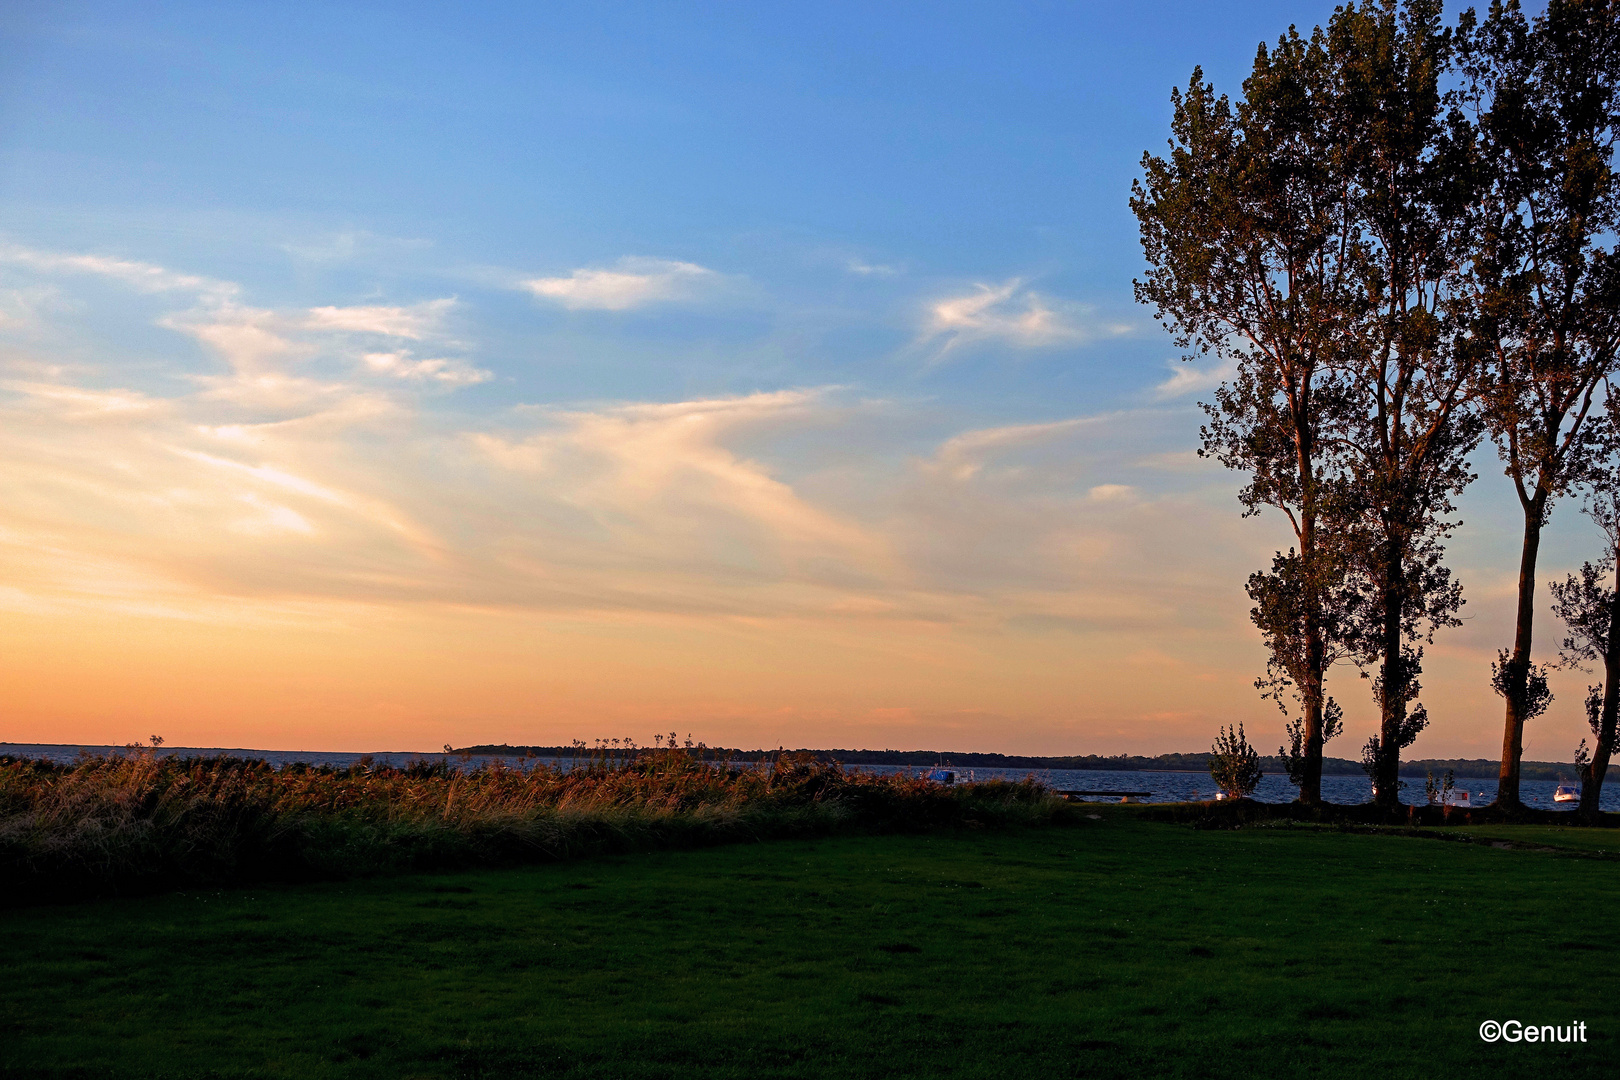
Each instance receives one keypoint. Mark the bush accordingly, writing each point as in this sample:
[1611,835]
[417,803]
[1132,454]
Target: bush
[1234,765]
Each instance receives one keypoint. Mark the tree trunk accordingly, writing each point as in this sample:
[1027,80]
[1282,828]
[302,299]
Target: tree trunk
[1310,785]
[1387,777]
[1518,665]
[1592,785]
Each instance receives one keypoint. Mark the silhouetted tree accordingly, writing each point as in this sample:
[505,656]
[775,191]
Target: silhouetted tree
[1286,607]
[1311,236]
[1403,447]
[1591,610]
[1251,246]
[1543,292]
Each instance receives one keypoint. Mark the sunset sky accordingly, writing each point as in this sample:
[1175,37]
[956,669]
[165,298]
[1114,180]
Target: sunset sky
[385,377]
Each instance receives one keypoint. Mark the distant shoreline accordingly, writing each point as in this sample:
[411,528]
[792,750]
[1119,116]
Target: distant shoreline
[1472,768]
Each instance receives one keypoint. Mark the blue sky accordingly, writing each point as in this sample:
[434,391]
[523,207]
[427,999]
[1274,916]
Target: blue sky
[340,151]
[508,371]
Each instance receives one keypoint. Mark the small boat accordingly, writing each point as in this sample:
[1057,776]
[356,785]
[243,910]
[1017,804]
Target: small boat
[941,775]
[1458,798]
[1567,793]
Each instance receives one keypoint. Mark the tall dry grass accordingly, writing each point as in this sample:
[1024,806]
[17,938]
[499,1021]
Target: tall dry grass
[138,821]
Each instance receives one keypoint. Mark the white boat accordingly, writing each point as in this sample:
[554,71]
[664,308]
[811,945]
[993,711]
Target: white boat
[1457,798]
[1566,793]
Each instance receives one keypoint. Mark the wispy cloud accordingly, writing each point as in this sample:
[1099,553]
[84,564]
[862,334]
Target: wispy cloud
[681,507]
[963,456]
[758,553]
[147,277]
[1014,315]
[80,403]
[20,309]
[259,344]
[400,365]
[414,322]
[251,340]
[1186,378]
[866,269]
[633,282]
[665,477]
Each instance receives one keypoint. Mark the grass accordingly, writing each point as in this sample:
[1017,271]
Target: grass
[1114,946]
[1572,838]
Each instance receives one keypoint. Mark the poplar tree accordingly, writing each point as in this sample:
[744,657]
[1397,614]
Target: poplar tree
[1543,290]
[1590,609]
[1404,444]
[1311,236]
[1248,235]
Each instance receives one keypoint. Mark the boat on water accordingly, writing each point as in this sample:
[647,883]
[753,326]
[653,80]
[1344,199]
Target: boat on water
[940,775]
[1566,793]
[1456,798]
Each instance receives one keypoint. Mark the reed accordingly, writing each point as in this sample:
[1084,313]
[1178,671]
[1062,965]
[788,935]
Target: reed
[138,821]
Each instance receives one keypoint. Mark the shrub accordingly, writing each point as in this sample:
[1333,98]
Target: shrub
[1233,764]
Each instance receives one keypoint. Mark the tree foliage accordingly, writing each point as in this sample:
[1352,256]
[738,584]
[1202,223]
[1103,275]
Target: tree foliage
[1590,609]
[1233,764]
[1542,286]
[1405,447]
[1248,235]
[1391,270]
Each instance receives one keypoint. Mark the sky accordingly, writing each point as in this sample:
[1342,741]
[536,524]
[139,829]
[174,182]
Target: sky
[382,377]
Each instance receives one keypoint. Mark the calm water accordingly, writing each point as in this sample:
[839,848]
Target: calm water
[1190,787]
[1161,786]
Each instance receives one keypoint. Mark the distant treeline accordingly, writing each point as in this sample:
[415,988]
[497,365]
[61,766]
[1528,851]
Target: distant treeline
[1479,768]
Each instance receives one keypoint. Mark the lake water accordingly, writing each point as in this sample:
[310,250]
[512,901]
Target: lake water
[1274,788]
[1161,786]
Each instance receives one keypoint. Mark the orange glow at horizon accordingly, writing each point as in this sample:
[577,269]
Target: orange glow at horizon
[416,683]
[299,546]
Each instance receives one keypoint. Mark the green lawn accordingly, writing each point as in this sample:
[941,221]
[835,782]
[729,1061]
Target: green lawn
[1599,841]
[1112,947]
